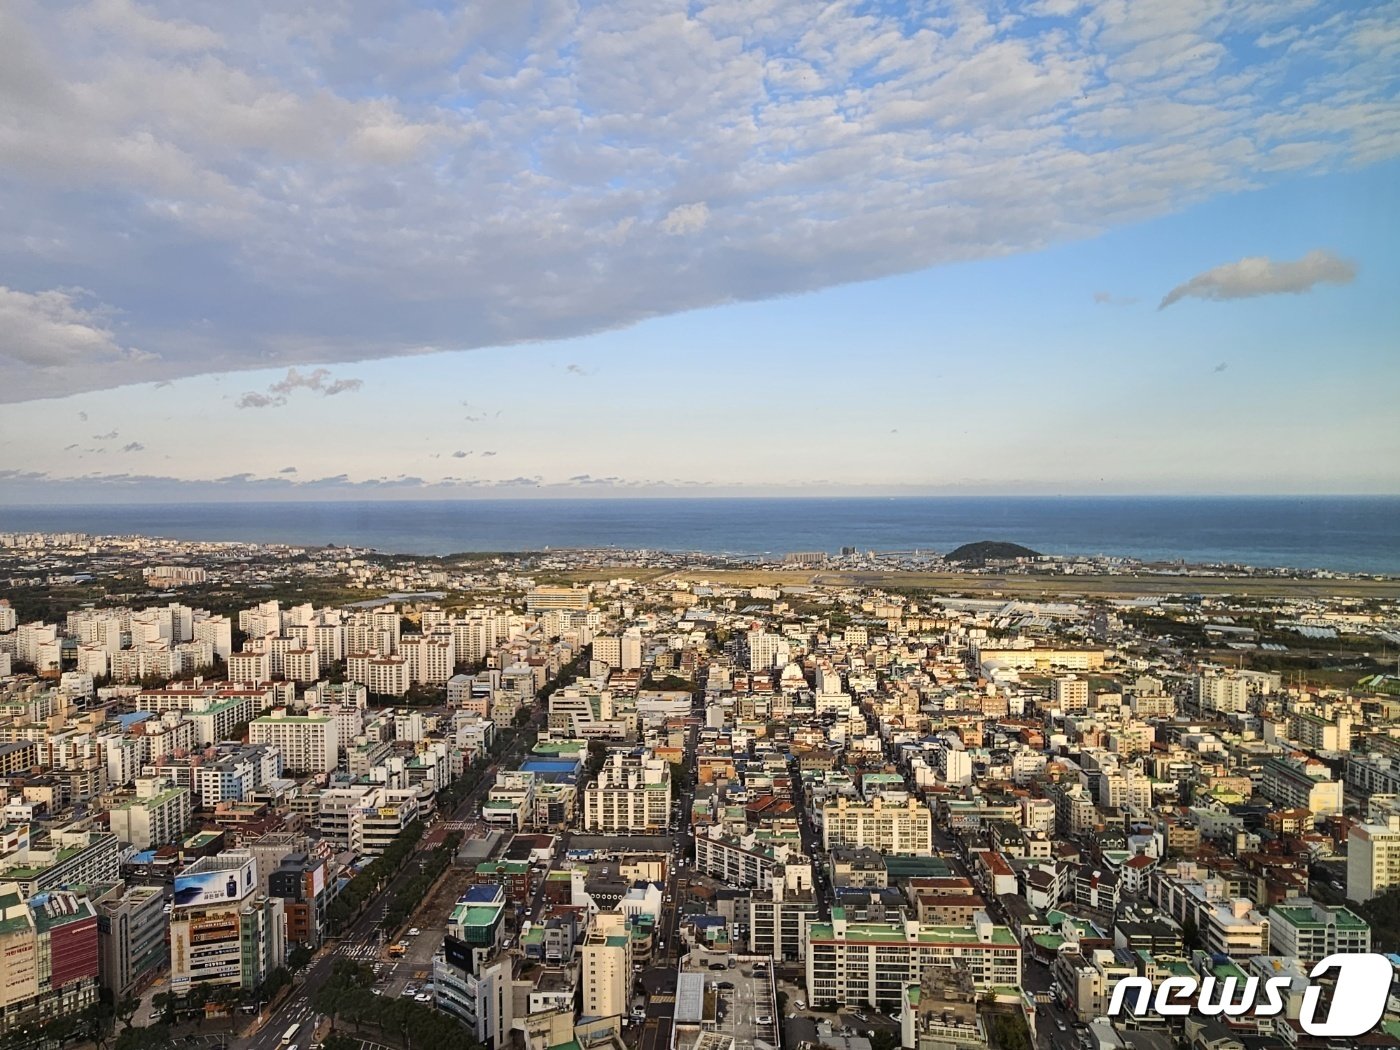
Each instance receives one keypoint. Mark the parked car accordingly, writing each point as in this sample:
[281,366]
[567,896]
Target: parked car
[800,1005]
[414,931]
[763,1019]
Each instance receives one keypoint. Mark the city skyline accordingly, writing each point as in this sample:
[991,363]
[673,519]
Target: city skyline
[1072,248]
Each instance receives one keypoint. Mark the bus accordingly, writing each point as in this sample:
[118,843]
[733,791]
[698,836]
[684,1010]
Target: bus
[290,1034]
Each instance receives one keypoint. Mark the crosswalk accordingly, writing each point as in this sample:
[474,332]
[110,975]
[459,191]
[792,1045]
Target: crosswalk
[364,952]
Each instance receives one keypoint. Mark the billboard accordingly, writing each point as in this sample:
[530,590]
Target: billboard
[318,880]
[458,953]
[222,886]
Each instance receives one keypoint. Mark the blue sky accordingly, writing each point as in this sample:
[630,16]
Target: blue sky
[866,251]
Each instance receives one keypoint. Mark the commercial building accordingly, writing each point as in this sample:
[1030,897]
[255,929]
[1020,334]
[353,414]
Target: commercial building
[1309,931]
[131,926]
[472,980]
[49,944]
[222,930]
[300,882]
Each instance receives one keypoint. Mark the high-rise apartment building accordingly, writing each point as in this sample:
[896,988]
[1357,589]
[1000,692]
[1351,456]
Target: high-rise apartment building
[1373,859]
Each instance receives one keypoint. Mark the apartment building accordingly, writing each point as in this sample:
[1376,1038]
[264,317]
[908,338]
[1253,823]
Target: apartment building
[1297,783]
[301,665]
[71,856]
[542,599]
[1070,695]
[894,828]
[1373,859]
[607,967]
[779,918]
[309,743]
[737,862]
[430,659]
[872,962]
[157,816]
[632,793]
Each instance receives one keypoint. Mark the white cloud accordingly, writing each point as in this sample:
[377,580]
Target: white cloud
[1258,275]
[310,187]
[687,218]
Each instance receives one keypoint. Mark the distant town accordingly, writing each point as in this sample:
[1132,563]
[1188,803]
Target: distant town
[269,796]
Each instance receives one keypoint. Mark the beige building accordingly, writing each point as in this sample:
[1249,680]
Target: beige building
[607,967]
[900,828]
[1373,859]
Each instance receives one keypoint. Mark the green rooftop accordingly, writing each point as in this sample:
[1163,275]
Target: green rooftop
[893,933]
[1304,918]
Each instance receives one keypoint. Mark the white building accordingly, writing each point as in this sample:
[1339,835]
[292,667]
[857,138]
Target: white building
[309,743]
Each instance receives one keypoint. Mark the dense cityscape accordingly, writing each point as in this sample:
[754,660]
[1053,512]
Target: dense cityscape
[268,796]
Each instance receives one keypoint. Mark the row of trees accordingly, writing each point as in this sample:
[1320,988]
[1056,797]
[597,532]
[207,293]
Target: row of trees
[415,891]
[346,996]
[372,876]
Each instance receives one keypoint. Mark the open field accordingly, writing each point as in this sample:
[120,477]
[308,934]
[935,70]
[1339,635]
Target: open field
[1036,586]
[555,577]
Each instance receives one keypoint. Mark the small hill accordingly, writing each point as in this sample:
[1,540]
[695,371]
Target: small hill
[978,554]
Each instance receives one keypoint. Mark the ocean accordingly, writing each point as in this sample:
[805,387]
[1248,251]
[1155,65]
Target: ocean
[1347,534]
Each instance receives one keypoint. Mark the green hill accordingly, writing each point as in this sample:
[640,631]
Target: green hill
[978,554]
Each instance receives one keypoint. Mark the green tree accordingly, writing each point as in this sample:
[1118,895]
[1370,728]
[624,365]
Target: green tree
[1190,935]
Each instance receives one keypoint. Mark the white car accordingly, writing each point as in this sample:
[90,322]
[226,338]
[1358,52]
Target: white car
[763,1019]
[414,931]
[422,997]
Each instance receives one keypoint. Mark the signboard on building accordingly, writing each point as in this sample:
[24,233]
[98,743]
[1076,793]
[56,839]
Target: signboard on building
[223,886]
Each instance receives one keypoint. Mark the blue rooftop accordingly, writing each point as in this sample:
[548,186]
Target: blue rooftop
[553,770]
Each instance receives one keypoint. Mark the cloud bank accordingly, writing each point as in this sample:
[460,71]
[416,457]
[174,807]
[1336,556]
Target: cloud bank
[1258,275]
[270,185]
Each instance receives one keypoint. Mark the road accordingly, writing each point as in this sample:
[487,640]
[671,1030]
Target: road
[362,939]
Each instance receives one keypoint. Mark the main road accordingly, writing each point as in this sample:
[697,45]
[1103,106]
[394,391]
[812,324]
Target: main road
[361,939]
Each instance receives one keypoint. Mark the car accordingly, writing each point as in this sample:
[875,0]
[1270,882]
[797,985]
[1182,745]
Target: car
[800,1005]
[763,1019]
[1060,1025]
[376,991]
[726,985]
[414,931]
[422,997]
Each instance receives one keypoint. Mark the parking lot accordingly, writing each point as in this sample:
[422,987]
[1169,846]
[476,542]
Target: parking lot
[739,1002]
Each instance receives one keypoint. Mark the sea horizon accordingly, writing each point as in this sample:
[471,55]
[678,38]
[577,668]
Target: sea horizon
[1339,533]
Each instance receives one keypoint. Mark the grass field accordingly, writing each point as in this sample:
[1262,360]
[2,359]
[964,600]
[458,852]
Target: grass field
[1033,586]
